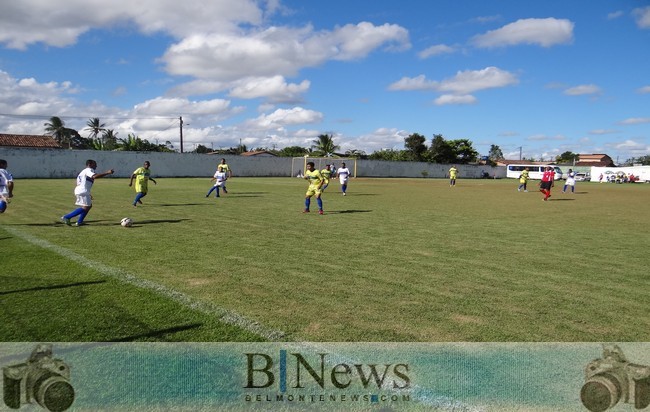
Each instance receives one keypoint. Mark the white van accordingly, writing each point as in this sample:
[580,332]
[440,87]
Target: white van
[534,171]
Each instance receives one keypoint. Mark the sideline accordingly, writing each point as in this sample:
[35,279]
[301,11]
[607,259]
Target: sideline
[225,315]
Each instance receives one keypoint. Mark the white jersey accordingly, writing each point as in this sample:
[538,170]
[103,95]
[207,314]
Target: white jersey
[344,174]
[5,178]
[85,181]
[220,177]
[571,179]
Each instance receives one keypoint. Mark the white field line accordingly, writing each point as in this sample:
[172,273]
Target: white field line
[224,315]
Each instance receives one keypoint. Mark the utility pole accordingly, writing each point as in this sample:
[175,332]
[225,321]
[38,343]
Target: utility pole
[181,119]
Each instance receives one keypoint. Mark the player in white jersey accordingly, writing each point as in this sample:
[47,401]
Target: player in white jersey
[219,179]
[85,181]
[6,185]
[344,175]
[570,181]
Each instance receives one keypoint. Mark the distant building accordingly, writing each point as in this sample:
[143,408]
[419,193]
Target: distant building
[505,162]
[258,153]
[598,160]
[28,141]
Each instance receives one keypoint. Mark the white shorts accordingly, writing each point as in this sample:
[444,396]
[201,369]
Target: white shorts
[83,199]
[220,183]
[343,180]
[570,182]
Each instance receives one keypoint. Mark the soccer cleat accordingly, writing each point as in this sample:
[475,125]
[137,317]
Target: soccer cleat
[343,193]
[305,211]
[320,212]
[80,224]
[526,191]
[140,201]
[225,191]
[65,220]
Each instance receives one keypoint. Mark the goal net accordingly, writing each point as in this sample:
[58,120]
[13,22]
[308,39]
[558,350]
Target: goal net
[299,164]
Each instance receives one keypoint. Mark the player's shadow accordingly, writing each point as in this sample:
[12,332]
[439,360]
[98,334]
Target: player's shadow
[5,238]
[155,221]
[362,194]
[180,204]
[246,193]
[560,200]
[51,287]
[160,333]
[348,211]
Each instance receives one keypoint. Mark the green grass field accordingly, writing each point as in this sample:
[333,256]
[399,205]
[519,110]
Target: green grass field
[395,260]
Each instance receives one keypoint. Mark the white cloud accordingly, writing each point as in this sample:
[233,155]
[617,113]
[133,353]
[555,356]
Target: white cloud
[446,99]
[60,24]
[462,83]
[413,83]
[162,106]
[635,120]
[614,15]
[435,51]
[275,88]
[642,16]
[544,32]
[276,50]
[470,81]
[285,117]
[630,145]
[602,131]
[381,138]
[582,90]
[643,90]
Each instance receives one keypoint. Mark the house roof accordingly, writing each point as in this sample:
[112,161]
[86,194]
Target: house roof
[504,162]
[24,140]
[257,153]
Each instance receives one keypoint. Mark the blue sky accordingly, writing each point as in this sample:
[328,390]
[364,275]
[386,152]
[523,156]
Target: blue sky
[545,77]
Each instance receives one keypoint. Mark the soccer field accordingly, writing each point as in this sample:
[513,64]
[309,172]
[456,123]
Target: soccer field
[395,260]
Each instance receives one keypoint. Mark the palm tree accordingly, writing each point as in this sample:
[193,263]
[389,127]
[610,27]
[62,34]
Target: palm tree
[56,128]
[109,139]
[96,127]
[324,144]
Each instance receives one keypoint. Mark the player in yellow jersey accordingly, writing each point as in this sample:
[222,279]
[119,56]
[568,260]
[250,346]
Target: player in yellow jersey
[141,175]
[316,182]
[523,180]
[327,175]
[453,173]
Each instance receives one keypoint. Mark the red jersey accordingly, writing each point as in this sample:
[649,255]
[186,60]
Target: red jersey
[548,176]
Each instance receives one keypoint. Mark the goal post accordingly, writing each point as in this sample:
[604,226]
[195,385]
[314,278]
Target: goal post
[299,164]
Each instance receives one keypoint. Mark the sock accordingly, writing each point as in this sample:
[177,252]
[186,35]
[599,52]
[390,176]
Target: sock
[344,188]
[564,190]
[82,216]
[74,213]
[217,187]
[320,203]
[307,203]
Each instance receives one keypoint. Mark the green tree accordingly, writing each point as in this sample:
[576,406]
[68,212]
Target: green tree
[415,147]
[356,153]
[566,157]
[56,128]
[293,151]
[324,145]
[463,151]
[643,160]
[95,128]
[389,155]
[109,139]
[495,154]
[202,149]
[441,151]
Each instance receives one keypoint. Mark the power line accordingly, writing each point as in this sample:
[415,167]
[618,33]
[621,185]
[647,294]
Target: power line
[40,116]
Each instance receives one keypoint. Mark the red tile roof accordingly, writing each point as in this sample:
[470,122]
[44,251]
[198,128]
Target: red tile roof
[23,140]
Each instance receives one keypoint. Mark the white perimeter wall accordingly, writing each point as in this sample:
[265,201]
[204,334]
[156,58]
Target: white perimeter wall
[49,163]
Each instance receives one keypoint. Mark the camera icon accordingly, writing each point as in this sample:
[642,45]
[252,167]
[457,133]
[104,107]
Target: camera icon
[611,379]
[43,380]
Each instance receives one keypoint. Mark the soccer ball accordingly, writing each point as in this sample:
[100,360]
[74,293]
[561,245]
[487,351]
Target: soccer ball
[126,222]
